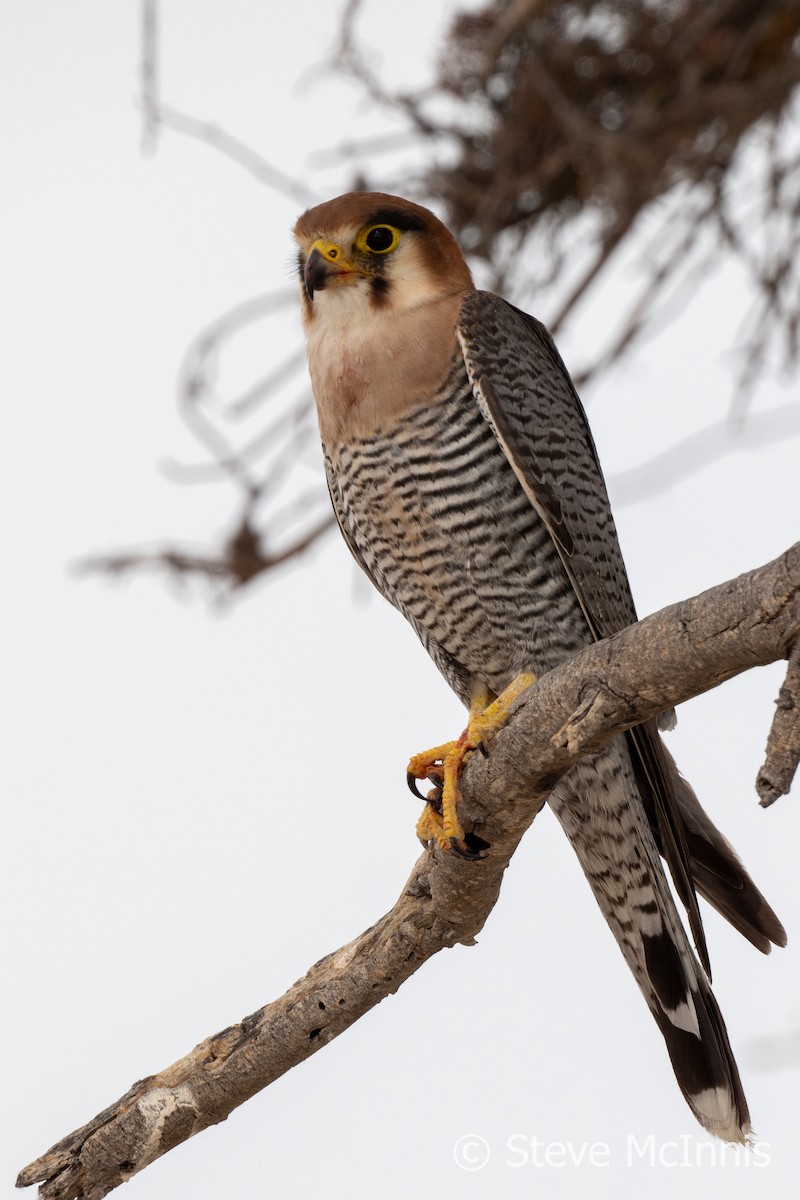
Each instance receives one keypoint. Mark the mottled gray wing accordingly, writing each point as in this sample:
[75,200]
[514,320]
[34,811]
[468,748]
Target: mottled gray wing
[527,396]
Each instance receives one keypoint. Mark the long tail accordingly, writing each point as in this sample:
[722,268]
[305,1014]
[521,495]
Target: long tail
[719,874]
[599,807]
[715,869]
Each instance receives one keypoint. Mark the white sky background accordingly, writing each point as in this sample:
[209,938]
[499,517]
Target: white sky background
[200,805]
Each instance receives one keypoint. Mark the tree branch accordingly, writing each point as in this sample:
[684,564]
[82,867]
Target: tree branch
[576,709]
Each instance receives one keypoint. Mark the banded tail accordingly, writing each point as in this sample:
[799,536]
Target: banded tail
[598,805]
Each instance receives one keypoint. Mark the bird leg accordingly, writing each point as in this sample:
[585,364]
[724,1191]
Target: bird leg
[442,764]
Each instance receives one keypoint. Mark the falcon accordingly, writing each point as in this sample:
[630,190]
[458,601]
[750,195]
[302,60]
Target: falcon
[467,486]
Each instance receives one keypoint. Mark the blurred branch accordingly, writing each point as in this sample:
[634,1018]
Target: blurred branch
[699,450]
[156,115]
[238,151]
[573,710]
[775,1052]
[274,523]
[148,76]
[350,59]
[241,558]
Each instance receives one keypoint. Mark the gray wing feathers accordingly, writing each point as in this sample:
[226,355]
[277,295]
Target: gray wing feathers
[525,393]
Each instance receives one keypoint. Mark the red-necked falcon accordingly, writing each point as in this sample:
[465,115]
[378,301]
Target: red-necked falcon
[467,486]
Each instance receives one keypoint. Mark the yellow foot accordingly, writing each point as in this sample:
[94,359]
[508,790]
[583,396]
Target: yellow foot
[442,765]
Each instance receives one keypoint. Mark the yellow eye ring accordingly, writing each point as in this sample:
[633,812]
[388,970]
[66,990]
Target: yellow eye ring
[378,239]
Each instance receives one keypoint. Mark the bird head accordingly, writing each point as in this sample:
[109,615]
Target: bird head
[373,250]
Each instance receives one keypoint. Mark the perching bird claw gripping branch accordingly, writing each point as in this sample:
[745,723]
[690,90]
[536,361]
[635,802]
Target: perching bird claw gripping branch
[665,659]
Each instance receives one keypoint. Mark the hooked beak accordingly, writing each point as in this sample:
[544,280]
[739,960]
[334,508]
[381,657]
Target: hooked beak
[326,265]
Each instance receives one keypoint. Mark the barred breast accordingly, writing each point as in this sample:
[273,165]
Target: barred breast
[436,516]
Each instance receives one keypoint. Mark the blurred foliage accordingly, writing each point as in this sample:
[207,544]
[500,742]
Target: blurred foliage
[609,105]
[562,129]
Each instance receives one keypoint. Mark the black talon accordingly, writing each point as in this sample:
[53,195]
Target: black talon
[473,848]
[411,780]
[481,746]
[435,778]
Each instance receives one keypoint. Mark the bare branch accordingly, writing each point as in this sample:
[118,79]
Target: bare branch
[348,57]
[690,455]
[238,151]
[155,115]
[783,747]
[577,708]
[148,76]
[263,466]
[237,562]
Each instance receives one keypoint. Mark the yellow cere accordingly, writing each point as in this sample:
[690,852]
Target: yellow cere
[328,250]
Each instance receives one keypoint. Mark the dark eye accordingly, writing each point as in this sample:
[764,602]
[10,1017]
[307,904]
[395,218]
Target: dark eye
[381,238]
